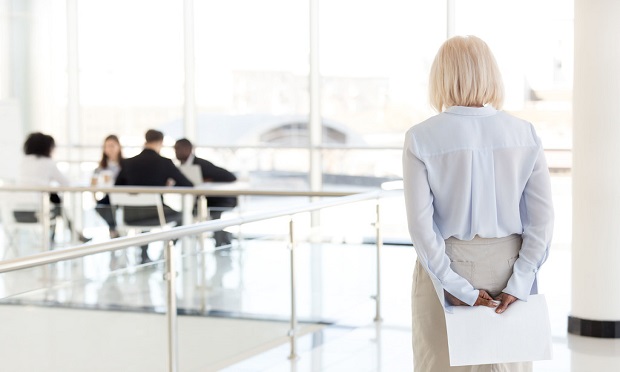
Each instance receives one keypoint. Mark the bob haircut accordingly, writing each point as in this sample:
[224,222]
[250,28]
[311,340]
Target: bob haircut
[39,144]
[465,73]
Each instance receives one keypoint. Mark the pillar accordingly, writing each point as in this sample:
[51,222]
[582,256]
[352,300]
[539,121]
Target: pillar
[595,307]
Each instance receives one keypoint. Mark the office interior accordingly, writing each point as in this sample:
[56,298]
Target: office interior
[306,102]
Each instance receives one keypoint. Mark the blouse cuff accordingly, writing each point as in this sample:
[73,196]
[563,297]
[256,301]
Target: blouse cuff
[522,279]
[462,290]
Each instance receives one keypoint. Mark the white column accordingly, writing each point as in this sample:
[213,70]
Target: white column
[19,60]
[315,131]
[315,125]
[74,130]
[189,127]
[595,304]
[450,18]
[5,51]
[73,83]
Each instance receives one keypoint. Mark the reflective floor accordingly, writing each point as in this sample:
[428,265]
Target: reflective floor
[219,291]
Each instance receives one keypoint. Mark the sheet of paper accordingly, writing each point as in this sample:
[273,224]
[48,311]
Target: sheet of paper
[477,335]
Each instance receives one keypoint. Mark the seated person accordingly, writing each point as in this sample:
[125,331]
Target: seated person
[183,149]
[109,167]
[38,169]
[150,169]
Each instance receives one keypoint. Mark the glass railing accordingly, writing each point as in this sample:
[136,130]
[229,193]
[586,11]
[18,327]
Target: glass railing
[215,288]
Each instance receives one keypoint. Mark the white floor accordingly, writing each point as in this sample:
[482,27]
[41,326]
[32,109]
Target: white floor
[52,312]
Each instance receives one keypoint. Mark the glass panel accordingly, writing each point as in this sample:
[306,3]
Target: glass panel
[66,317]
[33,75]
[375,57]
[536,62]
[33,59]
[131,74]
[251,76]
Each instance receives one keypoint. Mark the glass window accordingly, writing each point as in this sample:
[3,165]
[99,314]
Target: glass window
[533,44]
[131,68]
[251,61]
[33,59]
[251,73]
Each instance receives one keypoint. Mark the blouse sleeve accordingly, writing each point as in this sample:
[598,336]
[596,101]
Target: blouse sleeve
[425,235]
[57,176]
[536,208]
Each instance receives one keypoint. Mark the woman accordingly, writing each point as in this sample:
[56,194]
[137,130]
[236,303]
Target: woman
[106,173]
[38,169]
[478,199]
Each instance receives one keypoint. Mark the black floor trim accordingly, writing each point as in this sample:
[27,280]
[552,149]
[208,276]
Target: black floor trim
[593,328]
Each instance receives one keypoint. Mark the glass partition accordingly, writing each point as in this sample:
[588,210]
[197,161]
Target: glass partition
[131,74]
[245,286]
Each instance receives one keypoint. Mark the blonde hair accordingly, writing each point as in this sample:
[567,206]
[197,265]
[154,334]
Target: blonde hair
[465,73]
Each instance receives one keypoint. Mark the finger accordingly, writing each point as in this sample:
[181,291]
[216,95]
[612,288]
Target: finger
[506,301]
[501,307]
[485,300]
[487,303]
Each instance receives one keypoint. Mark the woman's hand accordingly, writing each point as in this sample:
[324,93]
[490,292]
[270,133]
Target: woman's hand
[504,301]
[484,299]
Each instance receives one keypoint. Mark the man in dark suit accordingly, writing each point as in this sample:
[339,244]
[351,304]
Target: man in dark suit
[184,151]
[150,169]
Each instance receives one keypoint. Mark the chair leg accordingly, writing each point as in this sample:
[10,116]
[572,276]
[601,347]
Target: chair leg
[144,256]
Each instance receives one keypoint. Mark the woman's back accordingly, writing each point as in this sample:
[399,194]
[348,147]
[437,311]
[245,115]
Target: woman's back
[478,161]
[40,171]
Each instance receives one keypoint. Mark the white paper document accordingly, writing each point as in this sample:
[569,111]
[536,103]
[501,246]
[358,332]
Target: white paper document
[477,335]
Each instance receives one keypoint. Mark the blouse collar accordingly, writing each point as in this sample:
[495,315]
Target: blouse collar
[471,111]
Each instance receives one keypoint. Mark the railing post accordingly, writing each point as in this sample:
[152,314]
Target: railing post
[187,201]
[379,243]
[171,316]
[293,331]
[201,263]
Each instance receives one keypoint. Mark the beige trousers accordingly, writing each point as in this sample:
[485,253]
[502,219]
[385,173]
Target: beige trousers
[486,264]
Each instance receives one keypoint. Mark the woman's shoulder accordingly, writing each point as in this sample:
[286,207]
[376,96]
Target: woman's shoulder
[431,127]
[517,125]
[40,160]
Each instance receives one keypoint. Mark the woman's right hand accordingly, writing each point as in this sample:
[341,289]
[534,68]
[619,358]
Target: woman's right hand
[484,299]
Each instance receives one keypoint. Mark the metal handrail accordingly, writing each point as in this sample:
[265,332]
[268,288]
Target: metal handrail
[174,233]
[199,190]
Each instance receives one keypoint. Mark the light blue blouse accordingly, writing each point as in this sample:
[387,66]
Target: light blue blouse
[477,171]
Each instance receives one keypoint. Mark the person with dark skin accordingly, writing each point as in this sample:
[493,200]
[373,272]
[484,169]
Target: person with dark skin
[184,151]
[150,169]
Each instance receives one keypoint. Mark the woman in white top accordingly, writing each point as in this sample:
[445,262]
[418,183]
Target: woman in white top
[106,173]
[478,199]
[38,169]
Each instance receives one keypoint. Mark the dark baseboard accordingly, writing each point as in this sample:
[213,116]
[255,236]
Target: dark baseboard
[593,328]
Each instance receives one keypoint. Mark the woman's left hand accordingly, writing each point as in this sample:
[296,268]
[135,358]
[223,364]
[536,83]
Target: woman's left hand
[484,299]
[504,301]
